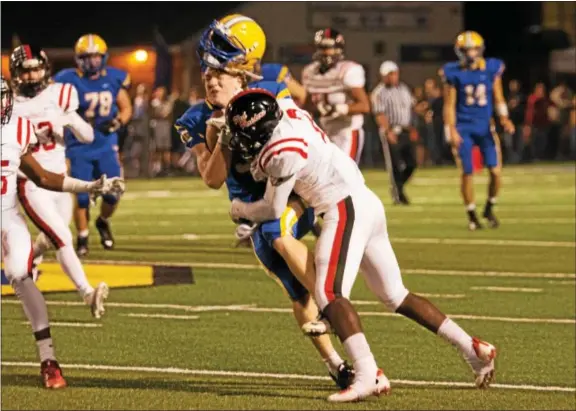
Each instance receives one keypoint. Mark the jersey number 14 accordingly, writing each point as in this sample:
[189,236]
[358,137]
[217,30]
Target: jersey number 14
[476,95]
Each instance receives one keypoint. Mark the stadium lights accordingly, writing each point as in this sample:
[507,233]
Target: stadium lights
[141,56]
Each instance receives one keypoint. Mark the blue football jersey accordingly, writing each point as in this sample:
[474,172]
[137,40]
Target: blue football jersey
[475,90]
[192,127]
[274,72]
[98,105]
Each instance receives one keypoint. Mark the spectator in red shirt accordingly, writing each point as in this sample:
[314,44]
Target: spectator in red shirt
[537,121]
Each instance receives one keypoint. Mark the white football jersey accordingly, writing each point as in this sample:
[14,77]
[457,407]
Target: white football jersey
[46,112]
[333,87]
[324,173]
[15,138]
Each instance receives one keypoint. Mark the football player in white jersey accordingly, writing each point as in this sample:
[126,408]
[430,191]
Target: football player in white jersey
[295,155]
[336,89]
[51,107]
[16,138]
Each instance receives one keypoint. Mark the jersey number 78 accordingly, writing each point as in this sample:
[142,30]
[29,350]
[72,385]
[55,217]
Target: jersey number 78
[102,100]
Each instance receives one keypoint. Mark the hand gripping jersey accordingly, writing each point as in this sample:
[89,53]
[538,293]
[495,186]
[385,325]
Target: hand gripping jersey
[97,105]
[46,112]
[333,87]
[15,138]
[475,93]
[240,182]
[324,174]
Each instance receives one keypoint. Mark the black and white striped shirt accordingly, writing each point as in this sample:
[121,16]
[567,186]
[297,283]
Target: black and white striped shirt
[394,102]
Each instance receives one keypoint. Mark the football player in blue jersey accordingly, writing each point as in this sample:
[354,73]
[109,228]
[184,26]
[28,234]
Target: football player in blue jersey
[230,50]
[104,103]
[281,74]
[472,92]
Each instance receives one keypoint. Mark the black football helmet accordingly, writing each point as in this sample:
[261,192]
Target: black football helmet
[328,39]
[26,58]
[7,101]
[251,116]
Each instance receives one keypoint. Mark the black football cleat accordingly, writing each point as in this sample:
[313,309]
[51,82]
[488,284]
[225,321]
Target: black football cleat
[490,217]
[106,238]
[473,222]
[345,376]
[82,246]
[403,199]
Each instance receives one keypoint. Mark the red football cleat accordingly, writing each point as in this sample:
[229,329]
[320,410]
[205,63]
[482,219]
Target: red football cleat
[52,374]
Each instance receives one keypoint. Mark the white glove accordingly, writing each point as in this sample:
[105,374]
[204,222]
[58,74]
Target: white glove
[332,111]
[244,231]
[224,136]
[256,171]
[218,122]
[235,210]
[114,186]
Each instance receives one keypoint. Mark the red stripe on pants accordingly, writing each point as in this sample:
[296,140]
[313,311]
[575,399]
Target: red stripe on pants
[354,145]
[38,222]
[334,256]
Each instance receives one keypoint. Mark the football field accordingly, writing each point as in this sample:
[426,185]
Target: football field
[229,341]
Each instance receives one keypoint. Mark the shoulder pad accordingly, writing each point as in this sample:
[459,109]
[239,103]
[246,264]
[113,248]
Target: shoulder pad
[283,157]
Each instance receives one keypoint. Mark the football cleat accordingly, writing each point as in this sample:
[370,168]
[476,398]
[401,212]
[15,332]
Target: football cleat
[483,362]
[490,217]
[96,300]
[106,238]
[473,222]
[52,374]
[316,328]
[344,376]
[356,392]
[82,246]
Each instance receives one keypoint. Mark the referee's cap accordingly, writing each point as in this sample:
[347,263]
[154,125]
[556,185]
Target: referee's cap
[388,67]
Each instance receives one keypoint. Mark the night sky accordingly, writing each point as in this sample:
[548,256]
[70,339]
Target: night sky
[59,24]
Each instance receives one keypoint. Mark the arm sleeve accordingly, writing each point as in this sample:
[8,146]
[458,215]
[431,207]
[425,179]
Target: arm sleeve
[355,77]
[126,81]
[272,205]
[191,128]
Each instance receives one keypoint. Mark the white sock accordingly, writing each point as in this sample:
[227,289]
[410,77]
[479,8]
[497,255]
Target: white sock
[45,349]
[471,207]
[364,364]
[492,200]
[333,361]
[72,266]
[84,233]
[456,336]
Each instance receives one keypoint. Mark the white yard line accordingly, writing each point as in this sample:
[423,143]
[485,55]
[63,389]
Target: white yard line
[221,373]
[255,309]
[508,289]
[417,271]
[563,282]
[450,241]
[162,316]
[68,324]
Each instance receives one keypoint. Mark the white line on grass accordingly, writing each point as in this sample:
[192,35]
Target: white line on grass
[162,316]
[563,282]
[451,241]
[67,324]
[253,308]
[221,373]
[508,289]
[417,271]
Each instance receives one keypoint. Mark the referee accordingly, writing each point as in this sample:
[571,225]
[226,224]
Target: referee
[392,109]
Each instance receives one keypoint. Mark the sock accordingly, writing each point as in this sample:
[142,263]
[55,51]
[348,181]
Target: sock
[41,245]
[359,352]
[333,361]
[37,314]
[101,217]
[72,266]
[492,200]
[471,207]
[456,336]
[44,344]
[83,233]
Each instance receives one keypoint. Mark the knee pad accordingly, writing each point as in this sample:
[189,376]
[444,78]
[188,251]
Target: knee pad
[83,200]
[110,199]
